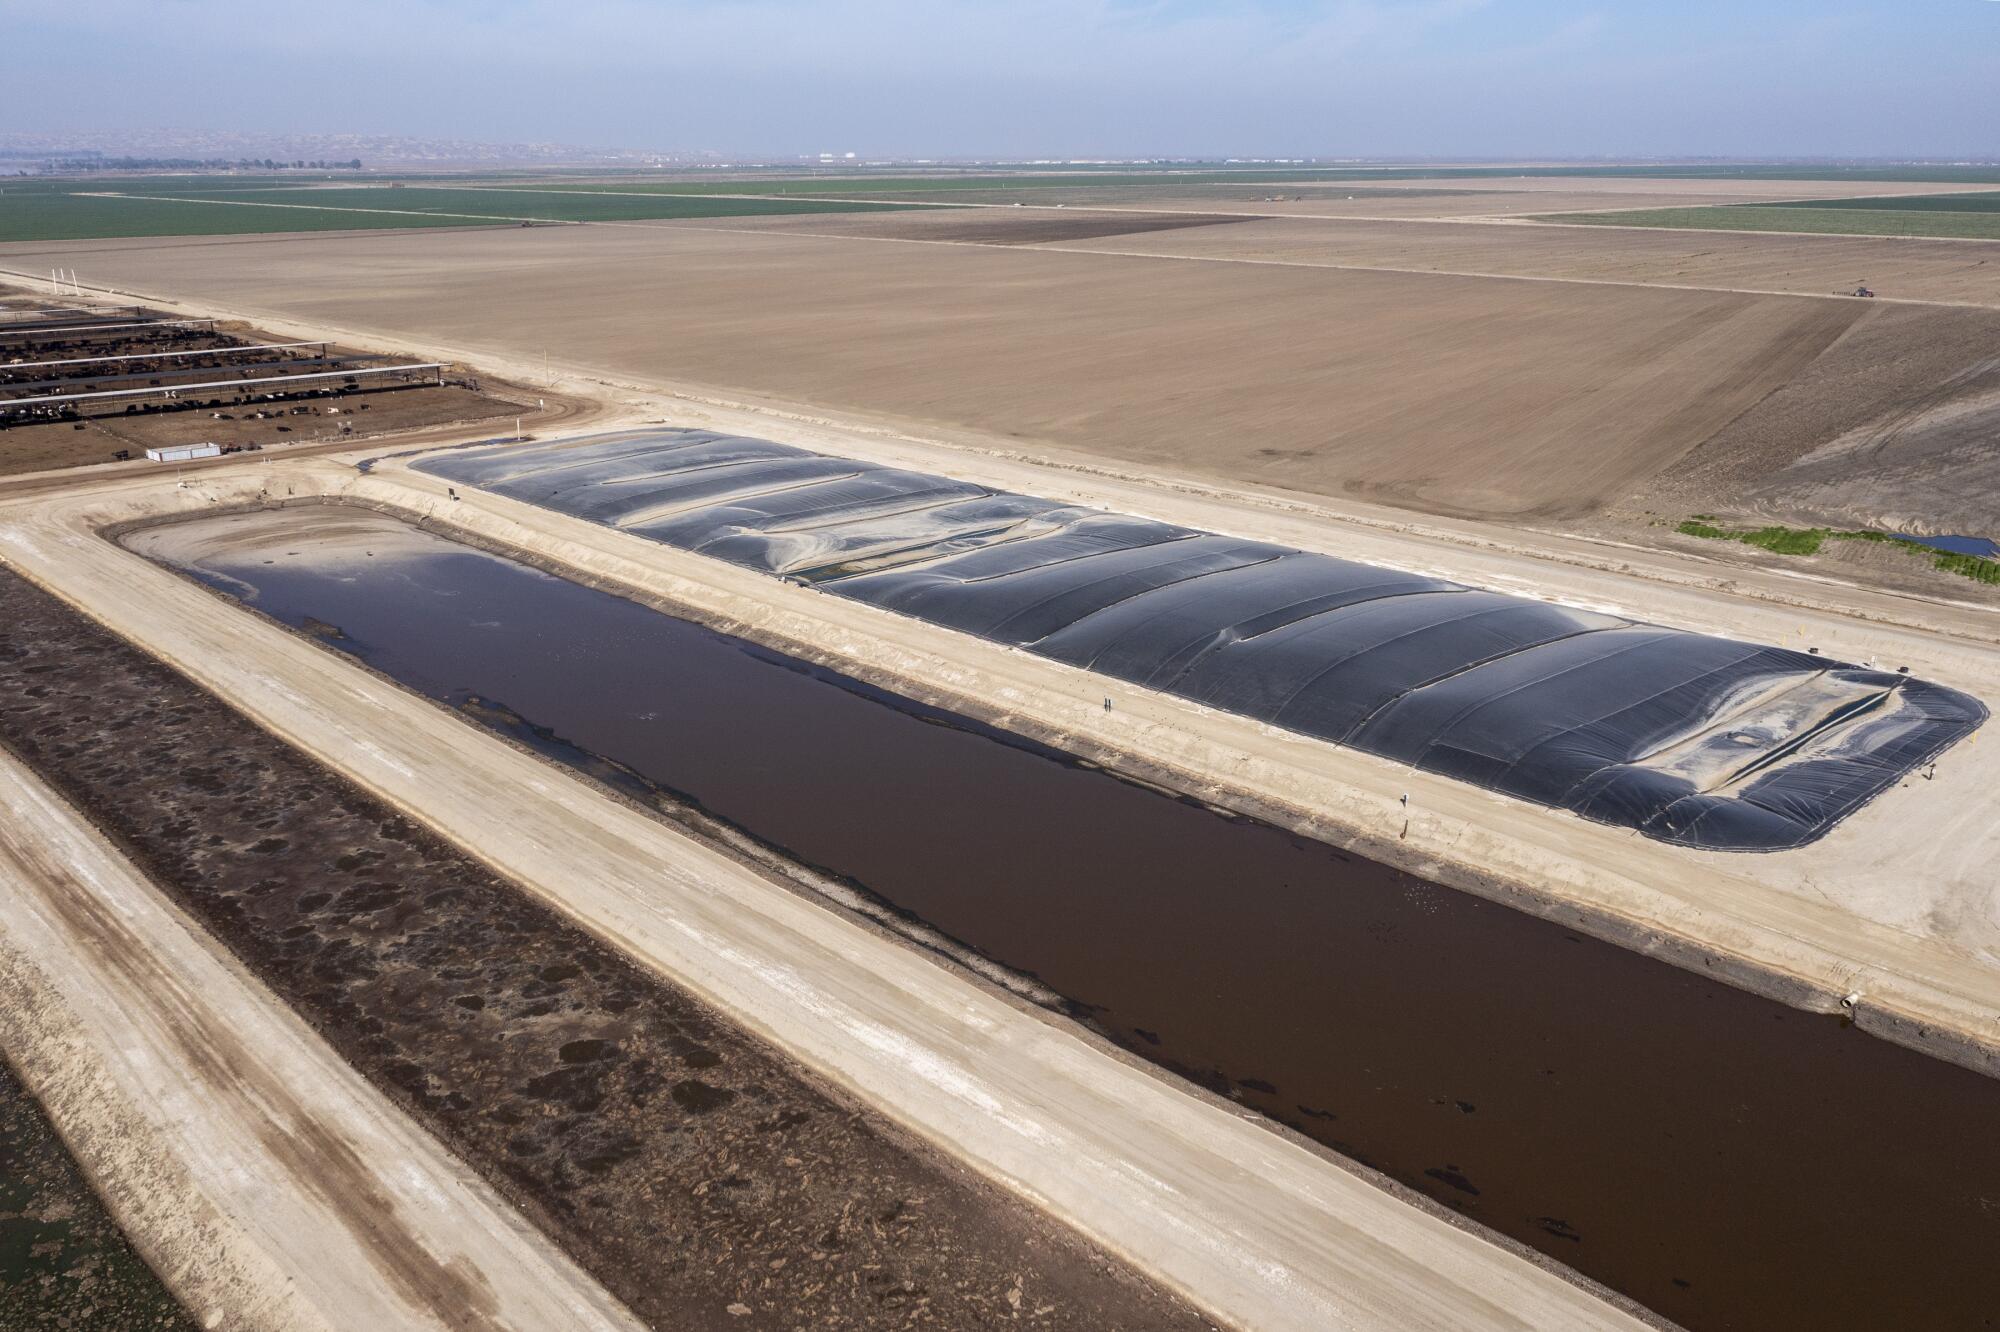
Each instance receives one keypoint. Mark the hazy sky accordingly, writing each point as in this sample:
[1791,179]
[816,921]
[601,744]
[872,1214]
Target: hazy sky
[1037,77]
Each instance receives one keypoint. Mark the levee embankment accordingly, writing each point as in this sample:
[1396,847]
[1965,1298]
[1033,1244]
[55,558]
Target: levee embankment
[1254,1228]
[1895,914]
[679,1160]
[1512,1070]
[1891,920]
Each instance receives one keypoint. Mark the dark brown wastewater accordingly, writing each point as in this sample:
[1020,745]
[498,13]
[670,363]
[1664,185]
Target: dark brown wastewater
[1724,1160]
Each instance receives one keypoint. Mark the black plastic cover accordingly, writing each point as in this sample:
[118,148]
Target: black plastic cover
[1688,738]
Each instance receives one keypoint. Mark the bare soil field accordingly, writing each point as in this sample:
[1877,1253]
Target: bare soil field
[981,226]
[984,226]
[696,1173]
[1458,395]
[22,306]
[1892,428]
[1946,271]
[1933,471]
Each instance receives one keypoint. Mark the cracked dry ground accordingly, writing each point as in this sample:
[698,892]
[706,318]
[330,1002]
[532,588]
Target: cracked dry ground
[695,1172]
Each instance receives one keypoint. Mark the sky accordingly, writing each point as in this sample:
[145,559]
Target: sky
[1036,78]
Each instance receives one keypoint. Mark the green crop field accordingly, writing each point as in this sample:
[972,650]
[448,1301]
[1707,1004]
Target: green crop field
[1983,201]
[53,216]
[1778,217]
[1003,178]
[17,186]
[516,203]
[80,217]
[56,208]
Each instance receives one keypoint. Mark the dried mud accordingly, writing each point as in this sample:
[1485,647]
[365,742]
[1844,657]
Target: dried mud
[684,1164]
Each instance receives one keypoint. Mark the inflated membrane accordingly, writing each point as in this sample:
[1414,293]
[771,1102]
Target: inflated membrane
[1687,738]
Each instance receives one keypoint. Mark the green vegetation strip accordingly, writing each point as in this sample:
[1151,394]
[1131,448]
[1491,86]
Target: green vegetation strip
[1783,217]
[1808,540]
[58,208]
